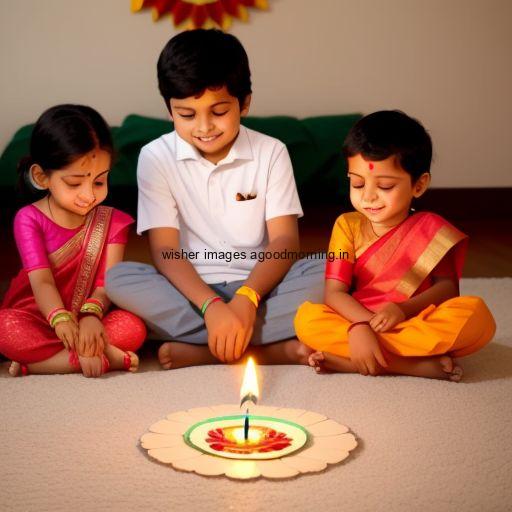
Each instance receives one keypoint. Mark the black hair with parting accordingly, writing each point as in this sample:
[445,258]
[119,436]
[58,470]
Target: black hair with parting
[61,135]
[388,133]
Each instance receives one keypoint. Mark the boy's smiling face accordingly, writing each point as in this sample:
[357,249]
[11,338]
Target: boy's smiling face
[210,122]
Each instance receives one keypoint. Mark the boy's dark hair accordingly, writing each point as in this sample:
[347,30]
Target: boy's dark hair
[385,133]
[195,60]
[61,135]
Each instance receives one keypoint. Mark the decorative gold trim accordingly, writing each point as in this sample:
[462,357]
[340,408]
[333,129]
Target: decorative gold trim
[92,256]
[68,250]
[444,240]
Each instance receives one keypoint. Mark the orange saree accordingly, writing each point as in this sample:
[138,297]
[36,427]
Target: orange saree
[394,268]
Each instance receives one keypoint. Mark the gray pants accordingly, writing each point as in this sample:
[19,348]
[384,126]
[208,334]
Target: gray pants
[141,289]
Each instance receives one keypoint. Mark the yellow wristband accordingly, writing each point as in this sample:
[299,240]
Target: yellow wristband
[251,294]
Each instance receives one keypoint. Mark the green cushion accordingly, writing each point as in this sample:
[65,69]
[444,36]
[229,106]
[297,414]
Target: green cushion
[328,132]
[297,139]
[14,152]
[314,145]
[135,132]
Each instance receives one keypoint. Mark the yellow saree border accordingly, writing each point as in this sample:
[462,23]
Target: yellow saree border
[92,255]
[70,249]
[443,241]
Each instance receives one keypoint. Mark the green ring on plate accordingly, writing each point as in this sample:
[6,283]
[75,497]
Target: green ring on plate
[186,435]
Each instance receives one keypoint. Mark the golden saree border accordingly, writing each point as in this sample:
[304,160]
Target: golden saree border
[89,265]
[71,248]
[443,241]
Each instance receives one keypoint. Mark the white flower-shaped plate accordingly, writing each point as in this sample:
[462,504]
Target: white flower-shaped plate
[328,443]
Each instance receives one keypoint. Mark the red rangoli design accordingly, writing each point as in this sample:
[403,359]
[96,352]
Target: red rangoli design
[222,440]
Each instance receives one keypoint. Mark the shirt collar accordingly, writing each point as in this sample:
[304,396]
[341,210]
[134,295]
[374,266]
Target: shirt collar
[185,151]
[241,149]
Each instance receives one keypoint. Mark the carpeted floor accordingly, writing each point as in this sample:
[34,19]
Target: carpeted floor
[69,443]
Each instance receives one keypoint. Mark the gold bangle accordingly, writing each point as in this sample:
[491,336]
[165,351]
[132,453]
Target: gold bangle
[65,316]
[90,308]
[251,294]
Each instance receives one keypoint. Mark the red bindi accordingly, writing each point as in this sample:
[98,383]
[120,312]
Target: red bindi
[370,165]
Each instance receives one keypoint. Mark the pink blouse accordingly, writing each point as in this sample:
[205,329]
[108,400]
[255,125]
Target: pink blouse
[37,235]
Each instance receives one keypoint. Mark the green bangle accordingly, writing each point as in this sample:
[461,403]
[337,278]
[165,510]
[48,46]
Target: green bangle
[89,308]
[209,301]
[65,316]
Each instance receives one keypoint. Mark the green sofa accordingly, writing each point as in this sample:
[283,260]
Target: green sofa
[314,144]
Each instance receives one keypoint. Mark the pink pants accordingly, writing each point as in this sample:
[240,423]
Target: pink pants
[27,338]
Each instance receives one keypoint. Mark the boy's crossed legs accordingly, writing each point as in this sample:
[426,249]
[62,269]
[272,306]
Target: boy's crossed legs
[170,317]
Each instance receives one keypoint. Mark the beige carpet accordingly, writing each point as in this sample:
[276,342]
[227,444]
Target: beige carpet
[71,444]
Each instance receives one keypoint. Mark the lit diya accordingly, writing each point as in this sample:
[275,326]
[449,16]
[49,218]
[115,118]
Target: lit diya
[271,442]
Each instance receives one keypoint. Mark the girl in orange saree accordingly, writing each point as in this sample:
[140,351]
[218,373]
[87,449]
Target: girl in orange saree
[53,318]
[392,301]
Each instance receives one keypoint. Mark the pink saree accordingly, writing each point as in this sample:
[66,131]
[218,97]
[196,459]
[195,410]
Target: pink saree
[401,263]
[25,335]
[74,266]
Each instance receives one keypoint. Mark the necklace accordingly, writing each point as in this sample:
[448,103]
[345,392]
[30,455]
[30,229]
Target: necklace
[373,231]
[49,207]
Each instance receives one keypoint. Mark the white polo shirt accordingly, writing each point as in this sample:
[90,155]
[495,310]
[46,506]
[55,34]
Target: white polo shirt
[178,188]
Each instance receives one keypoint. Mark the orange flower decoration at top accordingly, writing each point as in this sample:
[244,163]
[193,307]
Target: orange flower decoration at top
[190,14]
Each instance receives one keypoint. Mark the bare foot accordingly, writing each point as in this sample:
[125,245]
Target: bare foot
[116,358]
[317,361]
[324,362]
[15,369]
[453,370]
[174,354]
[436,367]
[282,352]
[439,367]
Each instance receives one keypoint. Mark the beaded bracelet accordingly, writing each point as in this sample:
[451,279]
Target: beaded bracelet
[208,302]
[364,322]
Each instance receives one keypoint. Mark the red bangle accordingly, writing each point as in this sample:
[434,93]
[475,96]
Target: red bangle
[209,302]
[53,312]
[98,302]
[353,324]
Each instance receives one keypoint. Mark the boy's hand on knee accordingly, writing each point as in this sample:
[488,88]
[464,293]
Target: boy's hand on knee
[365,351]
[224,331]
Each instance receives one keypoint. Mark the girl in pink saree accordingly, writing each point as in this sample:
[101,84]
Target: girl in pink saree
[54,317]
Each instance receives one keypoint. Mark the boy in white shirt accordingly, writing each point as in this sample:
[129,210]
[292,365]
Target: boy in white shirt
[220,204]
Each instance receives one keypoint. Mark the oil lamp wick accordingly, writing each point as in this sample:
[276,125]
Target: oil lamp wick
[250,397]
[246,424]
